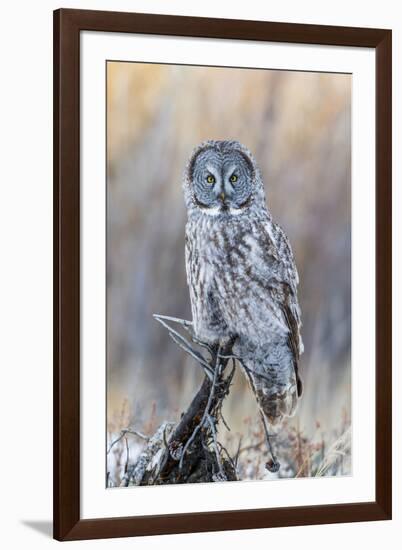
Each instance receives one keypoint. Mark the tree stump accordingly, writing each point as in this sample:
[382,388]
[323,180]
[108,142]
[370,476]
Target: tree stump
[190,451]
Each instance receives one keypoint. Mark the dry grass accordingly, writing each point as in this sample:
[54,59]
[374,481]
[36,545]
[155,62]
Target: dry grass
[327,452]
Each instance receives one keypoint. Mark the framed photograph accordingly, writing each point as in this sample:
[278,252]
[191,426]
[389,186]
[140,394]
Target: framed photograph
[222,274]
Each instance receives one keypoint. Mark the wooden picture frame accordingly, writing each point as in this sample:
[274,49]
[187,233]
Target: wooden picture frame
[67,27]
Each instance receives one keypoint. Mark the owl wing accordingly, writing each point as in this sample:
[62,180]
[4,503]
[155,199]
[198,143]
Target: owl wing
[208,322]
[275,267]
[288,299]
[192,266]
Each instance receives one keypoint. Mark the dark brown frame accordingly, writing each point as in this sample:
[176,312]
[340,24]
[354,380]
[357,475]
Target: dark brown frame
[67,26]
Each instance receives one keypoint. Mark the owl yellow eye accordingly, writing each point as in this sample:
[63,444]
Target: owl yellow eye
[233,178]
[210,179]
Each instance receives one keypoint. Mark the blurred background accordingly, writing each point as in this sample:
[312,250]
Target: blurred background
[298,126]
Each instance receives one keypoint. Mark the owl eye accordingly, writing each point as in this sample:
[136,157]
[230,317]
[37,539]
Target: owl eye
[210,179]
[233,178]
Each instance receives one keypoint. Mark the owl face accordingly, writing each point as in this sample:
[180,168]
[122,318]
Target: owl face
[221,177]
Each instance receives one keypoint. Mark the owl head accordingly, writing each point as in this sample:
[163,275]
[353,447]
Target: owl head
[222,178]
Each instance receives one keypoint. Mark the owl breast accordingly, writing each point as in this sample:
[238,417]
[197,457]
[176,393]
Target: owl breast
[228,295]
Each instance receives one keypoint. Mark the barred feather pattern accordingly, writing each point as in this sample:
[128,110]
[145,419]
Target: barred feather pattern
[243,281]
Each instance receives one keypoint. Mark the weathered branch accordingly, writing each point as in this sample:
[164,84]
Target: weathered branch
[191,452]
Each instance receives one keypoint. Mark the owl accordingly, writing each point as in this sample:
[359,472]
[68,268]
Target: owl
[241,273]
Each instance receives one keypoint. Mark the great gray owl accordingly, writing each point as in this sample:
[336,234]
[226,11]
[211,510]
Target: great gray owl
[241,273]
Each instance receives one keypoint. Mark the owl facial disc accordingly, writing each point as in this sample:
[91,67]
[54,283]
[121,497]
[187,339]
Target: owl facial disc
[222,179]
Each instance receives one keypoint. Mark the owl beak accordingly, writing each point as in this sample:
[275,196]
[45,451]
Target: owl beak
[222,197]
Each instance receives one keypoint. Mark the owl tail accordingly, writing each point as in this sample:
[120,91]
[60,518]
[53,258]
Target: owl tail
[276,406]
[274,381]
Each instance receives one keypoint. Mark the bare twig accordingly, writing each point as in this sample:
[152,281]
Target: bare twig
[272,465]
[127,455]
[136,472]
[232,462]
[222,476]
[182,342]
[123,433]
[187,325]
[220,405]
[223,419]
[206,411]
[208,371]
[236,460]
